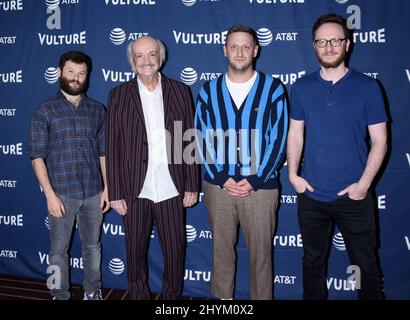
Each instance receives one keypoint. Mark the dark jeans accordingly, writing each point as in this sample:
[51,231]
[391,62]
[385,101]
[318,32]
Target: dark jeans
[356,222]
[89,216]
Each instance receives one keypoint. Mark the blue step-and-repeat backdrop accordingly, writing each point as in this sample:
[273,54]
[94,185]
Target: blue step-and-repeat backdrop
[33,35]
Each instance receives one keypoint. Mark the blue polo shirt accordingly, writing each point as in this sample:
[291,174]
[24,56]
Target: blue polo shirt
[336,117]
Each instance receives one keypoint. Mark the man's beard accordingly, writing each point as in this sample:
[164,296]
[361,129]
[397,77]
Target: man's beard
[332,64]
[65,86]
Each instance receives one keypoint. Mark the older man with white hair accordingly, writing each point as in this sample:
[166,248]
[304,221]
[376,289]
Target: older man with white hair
[144,185]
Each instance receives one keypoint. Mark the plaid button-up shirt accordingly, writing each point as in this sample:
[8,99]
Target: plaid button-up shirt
[70,140]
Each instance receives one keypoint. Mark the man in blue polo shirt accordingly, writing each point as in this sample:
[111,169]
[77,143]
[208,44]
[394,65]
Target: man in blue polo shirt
[66,145]
[337,108]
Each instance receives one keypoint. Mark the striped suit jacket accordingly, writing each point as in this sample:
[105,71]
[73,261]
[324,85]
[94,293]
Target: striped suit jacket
[126,139]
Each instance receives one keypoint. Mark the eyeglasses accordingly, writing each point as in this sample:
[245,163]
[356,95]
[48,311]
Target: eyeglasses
[321,43]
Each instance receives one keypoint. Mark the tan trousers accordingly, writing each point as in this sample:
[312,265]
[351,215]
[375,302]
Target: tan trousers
[256,216]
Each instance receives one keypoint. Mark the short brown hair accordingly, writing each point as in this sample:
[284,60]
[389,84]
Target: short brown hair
[242,28]
[330,18]
[76,57]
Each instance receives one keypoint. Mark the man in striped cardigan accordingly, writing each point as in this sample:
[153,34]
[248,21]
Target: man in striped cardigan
[241,121]
[145,185]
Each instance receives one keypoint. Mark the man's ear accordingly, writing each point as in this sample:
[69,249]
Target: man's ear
[255,51]
[347,45]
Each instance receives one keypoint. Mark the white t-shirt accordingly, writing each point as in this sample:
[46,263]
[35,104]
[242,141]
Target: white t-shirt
[239,91]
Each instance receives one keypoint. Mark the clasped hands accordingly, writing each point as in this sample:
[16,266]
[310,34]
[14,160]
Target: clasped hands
[241,188]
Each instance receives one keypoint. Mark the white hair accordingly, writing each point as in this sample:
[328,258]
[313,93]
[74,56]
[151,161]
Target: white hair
[161,46]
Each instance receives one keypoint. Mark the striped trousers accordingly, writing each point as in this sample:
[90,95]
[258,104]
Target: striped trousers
[168,216]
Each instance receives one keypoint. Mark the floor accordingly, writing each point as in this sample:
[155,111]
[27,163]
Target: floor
[18,288]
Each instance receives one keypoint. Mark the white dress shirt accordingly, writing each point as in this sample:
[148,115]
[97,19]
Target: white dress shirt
[158,185]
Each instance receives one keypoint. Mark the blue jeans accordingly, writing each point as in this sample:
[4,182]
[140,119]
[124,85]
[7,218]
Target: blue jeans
[89,217]
[356,221]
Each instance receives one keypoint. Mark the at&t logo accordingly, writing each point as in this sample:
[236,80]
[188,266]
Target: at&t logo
[8,40]
[371,74]
[8,254]
[286,36]
[51,75]
[116,266]
[7,112]
[46,223]
[8,183]
[190,233]
[264,36]
[189,3]
[52,4]
[189,76]
[288,199]
[283,279]
[338,242]
[118,36]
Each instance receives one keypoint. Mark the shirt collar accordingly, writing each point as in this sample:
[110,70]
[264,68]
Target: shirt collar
[63,97]
[144,89]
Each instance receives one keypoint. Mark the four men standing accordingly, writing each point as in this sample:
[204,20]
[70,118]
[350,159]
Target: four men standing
[241,123]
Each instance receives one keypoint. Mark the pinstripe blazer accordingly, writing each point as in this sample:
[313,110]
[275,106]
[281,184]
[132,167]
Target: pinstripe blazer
[126,139]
